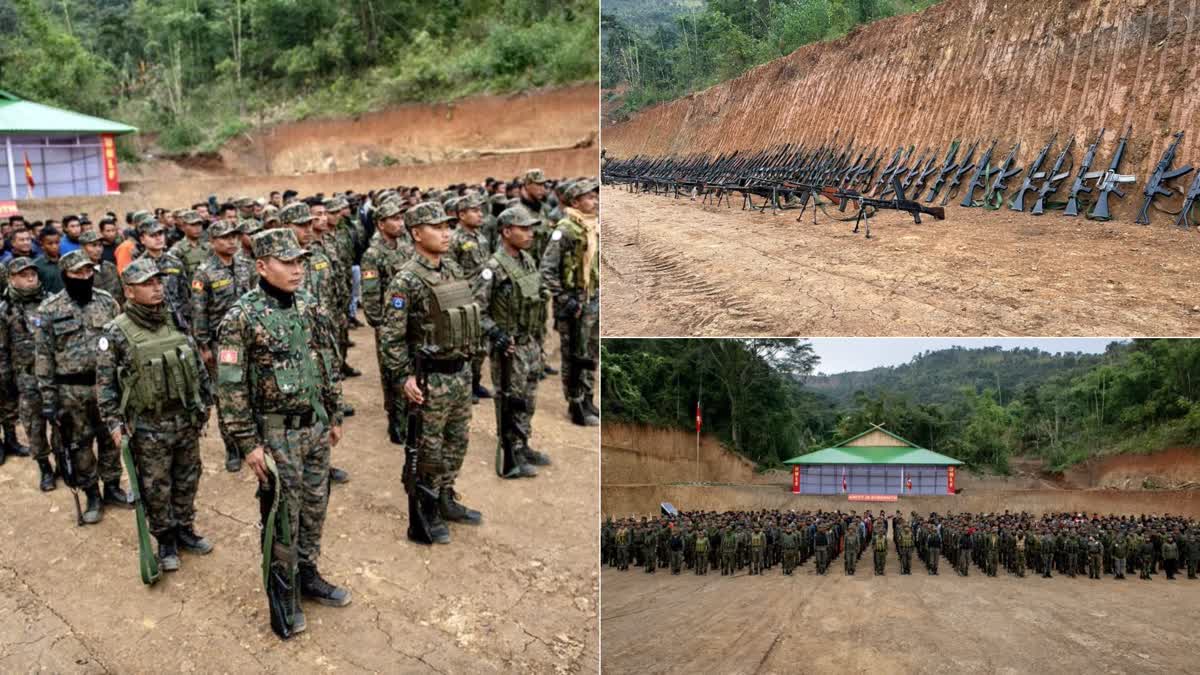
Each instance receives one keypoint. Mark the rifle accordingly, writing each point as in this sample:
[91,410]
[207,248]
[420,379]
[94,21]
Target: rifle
[977,178]
[147,561]
[948,166]
[419,529]
[898,202]
[995,193]
[1050,185]
[63,448]
[1084,174]
[1189,201]
[1109,180]
[959,171]
[510,404]
[1018,201]
[283,596]
[1162,173]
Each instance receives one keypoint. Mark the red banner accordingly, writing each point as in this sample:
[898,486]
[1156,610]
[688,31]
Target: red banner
[873,498]
[795,479]
[112,185]
[949,480]
[9,209]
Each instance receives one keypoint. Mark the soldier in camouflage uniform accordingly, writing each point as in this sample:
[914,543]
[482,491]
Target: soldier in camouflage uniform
[152,236]
[513,303]
[245,254]
[388,251]
[343,239]
[278,393]
[325,241]
[106,277]
[470,249]
[153,389]
[533,197]
[192,251]
[218,282]
[18,384]
[429,309]
[67,332]
[879,540]
[570,269]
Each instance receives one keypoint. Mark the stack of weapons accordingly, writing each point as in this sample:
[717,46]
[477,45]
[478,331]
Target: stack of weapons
[791,176]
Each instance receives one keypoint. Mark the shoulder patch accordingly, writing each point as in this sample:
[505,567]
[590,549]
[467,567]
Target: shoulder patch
[487,274]
[228,356]
[321,265]
[221,283]
[370,274]
[397,301]
[102,344]
[556,236]
[197,285]
[467,245]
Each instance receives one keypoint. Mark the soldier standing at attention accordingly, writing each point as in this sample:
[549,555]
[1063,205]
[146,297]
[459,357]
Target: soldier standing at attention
[758,542]
[67,334]
[851,552]
[153,389]
[728,551]
[512,301]
[933,547]
[18,307]
[429,309]
[152,236]
[471,251]
[106,278]
[278,393]
[701,552]
[217,283]
[387,252]
[650,549]
[880,541]
[1120,550]
[190,250]
[570,269]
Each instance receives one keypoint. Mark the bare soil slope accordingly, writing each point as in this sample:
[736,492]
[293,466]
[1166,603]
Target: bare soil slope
[639,455]
[973,69]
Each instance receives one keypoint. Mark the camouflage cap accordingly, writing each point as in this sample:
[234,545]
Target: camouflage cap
[452,204]
[498,199]
[150,226]
[296,212]
[140,271]
[74,260]
[139,217]
[336,203]
[392,207]
[224,228]
[251,226]
[579,188]
[472,200]
[278,243]
[89,237]
[20,264]
[517,215]
[533,176]
[425,213]
[243,202]
[190,217]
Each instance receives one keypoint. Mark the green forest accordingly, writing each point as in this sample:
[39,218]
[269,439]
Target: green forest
[658,51]
[982,406]
[198,72]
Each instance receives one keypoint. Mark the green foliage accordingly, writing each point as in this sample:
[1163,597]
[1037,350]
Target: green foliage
[982,406]
[679,47]
[201,71]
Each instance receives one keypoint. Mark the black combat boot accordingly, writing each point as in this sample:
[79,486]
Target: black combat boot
[453,510]
[347,410]
[313,587]
[338,476]
[590,407]
[432,523]
[350,371]
[11,445]
[581,417]
[233,459]
[49,477]
[191,542]
[534,457]
[115,496]
[549,370]
[168,552]
[91,514]
[479,391]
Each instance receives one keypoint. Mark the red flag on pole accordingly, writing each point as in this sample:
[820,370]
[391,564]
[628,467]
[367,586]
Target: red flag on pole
[28,171]
[697,416]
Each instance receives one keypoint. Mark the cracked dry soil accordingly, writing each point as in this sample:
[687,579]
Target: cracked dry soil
[680,267]
[518,593]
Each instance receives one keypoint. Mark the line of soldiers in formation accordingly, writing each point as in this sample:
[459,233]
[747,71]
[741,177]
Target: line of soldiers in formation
[1069,543]
[250,311]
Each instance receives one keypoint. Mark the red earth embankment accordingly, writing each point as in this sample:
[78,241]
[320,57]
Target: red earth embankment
[970,69]
[640,455]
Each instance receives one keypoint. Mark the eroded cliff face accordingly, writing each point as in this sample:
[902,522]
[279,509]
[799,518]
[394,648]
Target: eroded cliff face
[971,69]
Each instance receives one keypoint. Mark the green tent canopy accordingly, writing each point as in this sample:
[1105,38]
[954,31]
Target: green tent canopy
[21,117]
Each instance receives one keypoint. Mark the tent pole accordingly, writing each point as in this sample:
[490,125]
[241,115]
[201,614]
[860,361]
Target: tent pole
[12,175]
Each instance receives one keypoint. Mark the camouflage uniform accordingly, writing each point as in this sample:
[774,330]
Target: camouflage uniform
[152,385]
[570,268]
[66,338]
[380,263]
[191,254]
[276,389]
[471,250]
[18,383]
[512,303]
[540,210]
[106,277]
[430,305]
[176,292]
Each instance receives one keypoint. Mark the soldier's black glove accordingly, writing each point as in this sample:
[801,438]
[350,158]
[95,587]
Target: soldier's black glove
[501,341]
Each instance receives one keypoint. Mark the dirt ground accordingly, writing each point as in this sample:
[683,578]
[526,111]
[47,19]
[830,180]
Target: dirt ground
[518,593]
[677,267]
[895,624]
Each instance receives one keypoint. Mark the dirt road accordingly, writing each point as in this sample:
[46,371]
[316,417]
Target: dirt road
[518,593]
[895,624]
[676,267]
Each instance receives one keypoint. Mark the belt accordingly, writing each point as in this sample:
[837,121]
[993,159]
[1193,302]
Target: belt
[86,379]
[291,421]
[445,366]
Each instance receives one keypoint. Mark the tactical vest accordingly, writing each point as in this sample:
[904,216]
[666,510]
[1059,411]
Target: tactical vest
[573,261]
[453,321]
[906,540]
[880,543]
[163,376]
[1020,543]
[297,375]
[523,312]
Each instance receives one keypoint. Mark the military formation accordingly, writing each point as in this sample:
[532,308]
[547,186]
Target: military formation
[1016,544]
[121,345]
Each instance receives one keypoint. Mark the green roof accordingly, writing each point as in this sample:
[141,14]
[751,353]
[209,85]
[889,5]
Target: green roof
[910,453]
[18,116]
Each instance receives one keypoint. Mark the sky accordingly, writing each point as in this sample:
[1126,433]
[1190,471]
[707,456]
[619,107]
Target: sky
[839,355]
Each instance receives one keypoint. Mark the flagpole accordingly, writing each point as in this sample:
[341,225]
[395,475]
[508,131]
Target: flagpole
[12,174]
[698,397]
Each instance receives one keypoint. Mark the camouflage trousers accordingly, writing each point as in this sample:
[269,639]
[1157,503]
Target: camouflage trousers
[526,371]
[82,423]
[702,562]
[446,418]
[905,560]
[302,458]
[588,348]
[477,367]
[167,455]
[9,405]
[393,392]
[31,415]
